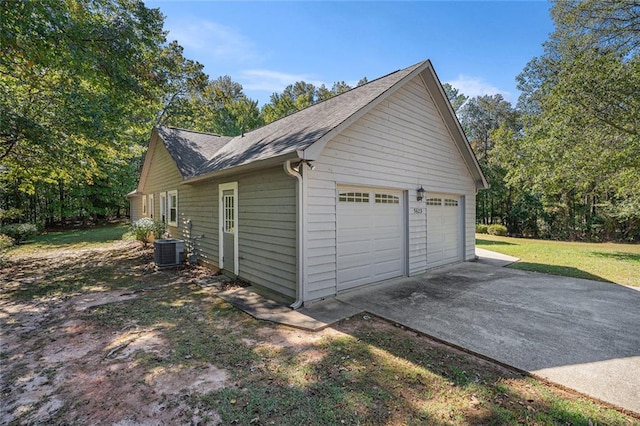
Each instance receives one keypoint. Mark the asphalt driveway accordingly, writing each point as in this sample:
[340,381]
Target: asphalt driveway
[581,334]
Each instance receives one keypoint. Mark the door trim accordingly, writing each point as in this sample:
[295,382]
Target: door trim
[221,188]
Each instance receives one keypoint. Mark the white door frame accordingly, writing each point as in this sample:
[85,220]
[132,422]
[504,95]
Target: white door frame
[221,188]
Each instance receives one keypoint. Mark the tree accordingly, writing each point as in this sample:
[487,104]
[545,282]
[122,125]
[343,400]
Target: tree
[76,92]
[224,109]
[298,96]
[582,119]
[181,80]
[481,117]
[456,98]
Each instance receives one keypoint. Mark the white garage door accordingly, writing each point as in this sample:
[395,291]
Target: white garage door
[370,236]
[444,242]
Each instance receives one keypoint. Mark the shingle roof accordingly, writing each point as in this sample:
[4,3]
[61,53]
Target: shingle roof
[190,149]
[301,129]
[199,155]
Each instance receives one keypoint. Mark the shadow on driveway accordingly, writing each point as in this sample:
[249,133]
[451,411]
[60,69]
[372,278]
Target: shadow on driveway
[578,333]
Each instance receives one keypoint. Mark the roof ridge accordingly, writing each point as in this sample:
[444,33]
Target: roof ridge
[194,131]
[343,93]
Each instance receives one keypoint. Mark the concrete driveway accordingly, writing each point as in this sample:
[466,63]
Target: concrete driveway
[581,334]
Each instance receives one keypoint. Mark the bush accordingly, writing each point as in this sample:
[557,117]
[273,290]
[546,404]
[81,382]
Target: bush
[482,229]
[159,229]
[499,230]
[5,242]
[20,231]
[145,227]
[10,215]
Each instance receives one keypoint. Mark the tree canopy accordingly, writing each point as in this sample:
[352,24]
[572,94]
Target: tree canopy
[581,107]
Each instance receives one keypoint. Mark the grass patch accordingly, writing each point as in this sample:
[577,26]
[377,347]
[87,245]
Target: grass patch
[80,238]
[616,263]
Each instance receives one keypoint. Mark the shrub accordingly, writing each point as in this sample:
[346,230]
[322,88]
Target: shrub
[20,231]
[499,230]
[10,215]
[5,242]
[145,227]
[482,229]
[142,228]
[159,229]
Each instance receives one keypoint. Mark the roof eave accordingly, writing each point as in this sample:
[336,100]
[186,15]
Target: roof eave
[243,168]
[432,82]
[313,151]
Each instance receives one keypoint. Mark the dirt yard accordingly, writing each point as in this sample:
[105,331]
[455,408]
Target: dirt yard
[96,335]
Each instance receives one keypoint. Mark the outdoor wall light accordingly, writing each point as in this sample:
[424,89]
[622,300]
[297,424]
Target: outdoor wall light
[421,192]
[296,167]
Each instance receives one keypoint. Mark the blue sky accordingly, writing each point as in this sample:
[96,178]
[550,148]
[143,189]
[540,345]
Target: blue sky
[479,47]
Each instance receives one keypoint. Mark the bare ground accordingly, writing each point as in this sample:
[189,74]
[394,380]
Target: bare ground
[98,336]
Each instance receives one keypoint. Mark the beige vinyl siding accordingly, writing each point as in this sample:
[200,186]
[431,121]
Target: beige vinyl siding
[401,144]
[199,204]
[266,219]
[135,208]
[267,229]
[163,176]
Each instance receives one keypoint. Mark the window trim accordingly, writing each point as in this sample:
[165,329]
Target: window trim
[170,207]
[150,205]
[144,206]
[163,207]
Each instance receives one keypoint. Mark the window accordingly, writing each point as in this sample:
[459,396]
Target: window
[151,207]
[387,199]
[172,207]
[451,203]
[144,205]
[163,207]
[434,201]
[229,216]
[354,197]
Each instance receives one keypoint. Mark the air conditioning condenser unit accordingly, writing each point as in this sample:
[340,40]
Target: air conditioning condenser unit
[168,252]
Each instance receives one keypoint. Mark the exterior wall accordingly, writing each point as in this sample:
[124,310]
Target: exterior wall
[266,226]
[135,208]
[266,220]
[402,144]
[267,229]
[163,176]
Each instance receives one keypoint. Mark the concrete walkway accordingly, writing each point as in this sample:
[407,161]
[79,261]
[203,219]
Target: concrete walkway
[581,334]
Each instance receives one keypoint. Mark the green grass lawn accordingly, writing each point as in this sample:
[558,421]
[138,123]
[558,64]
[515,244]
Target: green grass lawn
[616,263]
[79,238]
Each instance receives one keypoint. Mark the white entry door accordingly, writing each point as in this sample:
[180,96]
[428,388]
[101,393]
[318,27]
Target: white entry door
[370,236]
[444,233]
[228,237]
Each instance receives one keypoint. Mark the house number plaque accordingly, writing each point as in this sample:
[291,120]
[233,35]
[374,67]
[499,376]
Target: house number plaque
[417,210]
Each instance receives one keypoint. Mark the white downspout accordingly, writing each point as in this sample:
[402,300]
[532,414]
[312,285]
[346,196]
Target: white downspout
[299,232]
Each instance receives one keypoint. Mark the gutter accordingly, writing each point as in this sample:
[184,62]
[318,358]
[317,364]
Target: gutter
[299,231]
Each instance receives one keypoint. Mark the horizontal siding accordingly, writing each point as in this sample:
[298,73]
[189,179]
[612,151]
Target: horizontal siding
[199,204]
[266,220]
[135,208]
[267,230]
[402,143]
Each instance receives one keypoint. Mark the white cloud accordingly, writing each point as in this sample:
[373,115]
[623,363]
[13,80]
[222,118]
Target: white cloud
[274,81]
[477,86]
[215,41]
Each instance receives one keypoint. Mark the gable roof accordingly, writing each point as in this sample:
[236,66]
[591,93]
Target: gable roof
[304,134]
[190,149]
[300,130]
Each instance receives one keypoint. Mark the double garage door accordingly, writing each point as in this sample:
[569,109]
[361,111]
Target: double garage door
[371,235]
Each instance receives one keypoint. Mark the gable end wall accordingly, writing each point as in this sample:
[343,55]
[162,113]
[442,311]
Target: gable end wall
[402,143]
